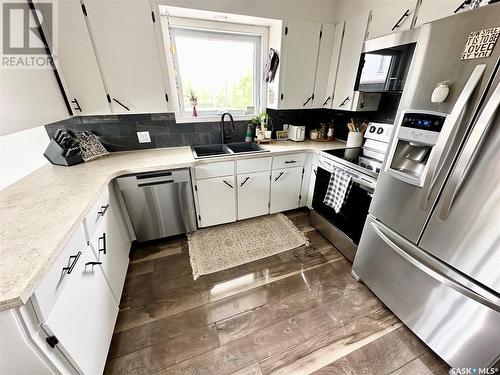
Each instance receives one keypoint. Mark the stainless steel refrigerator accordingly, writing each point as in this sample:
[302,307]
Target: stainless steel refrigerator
[430,248]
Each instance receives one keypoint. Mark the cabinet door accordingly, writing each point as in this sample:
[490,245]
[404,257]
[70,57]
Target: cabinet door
[334,63]
[352,45]
[391,17]
[431,10]
[126,50]
[84,317]
[285,189]
[78,63]
[312,182]
[111,247]
[321,96]
[301,43]
[216,201]
[253,194]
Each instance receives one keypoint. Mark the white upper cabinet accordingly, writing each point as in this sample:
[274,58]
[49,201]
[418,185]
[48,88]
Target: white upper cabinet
[431,10]
[300,49]
[334,63]
[124,40]
[77,60]
[352,45]
[321,95]
[396,15]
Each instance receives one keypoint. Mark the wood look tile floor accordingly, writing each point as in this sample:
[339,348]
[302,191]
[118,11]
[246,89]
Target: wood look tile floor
[298,312]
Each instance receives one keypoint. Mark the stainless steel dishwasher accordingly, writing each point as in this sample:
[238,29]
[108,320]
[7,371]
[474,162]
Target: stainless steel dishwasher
[159,204]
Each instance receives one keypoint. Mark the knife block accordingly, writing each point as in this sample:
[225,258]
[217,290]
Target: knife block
[54,154]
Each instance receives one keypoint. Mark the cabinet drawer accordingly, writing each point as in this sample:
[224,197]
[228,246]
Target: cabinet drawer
[253,165]
[224,168]
[51,286]
[288,161]
[96,213]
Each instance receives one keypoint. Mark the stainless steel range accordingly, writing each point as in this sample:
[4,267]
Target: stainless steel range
[363,164]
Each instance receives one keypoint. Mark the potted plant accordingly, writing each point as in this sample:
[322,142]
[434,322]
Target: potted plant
[261,123]
[193,101]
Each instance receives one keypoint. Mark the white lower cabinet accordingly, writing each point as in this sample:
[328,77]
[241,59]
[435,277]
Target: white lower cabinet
[111,248]
[84,316]
[285,189]
[216,200]
[253,194]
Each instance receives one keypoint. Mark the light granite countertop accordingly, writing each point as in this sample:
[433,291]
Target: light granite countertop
[40,212]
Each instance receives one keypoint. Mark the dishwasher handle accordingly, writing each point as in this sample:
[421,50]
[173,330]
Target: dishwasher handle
[162,177]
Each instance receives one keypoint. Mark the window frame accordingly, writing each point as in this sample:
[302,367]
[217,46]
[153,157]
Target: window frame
[214,27]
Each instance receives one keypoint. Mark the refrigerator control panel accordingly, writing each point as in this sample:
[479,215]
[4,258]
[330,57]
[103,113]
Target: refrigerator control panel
[423,121]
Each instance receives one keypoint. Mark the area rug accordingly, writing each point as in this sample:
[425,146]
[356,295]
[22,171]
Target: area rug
[229,245]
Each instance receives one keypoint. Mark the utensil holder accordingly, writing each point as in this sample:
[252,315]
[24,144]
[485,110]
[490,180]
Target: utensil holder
[54,154]
[354,139]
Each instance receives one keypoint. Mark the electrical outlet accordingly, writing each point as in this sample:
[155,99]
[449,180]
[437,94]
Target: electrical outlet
[143,137]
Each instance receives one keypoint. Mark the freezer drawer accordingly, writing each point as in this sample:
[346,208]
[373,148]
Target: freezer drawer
[454,317]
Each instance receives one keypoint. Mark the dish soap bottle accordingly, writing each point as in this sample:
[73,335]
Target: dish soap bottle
[248,135]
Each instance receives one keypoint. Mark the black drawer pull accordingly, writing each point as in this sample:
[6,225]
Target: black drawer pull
[103,238]
[228,184]
[70,267]
[103,210]
[246,179]
[92,264]
[290,161]
[277,178]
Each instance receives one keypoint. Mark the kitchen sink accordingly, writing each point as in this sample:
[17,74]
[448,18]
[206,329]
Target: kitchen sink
[245,147]
[209,151]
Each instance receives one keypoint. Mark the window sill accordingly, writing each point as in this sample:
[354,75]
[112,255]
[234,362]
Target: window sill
[185,120]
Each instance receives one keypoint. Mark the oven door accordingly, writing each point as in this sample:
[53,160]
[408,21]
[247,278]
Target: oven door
[351,218]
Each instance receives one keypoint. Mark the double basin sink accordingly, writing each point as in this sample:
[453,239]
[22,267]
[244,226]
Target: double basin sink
[208,151]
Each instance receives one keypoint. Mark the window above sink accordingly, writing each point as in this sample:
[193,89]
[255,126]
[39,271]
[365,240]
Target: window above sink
[217,59]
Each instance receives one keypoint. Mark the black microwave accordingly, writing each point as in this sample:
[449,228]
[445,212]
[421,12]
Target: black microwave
[384,70]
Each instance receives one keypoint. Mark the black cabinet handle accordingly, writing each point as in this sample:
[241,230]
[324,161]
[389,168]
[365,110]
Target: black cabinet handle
[405,14]
[70,267]
[327,100]
[244,181]
[462,5]
[92,264]
[103,210]
[315,171]
[277,178]
[308,100]
[120,103]
[345,101]
[290,161]
[75,102]
[227,183]
[103,238]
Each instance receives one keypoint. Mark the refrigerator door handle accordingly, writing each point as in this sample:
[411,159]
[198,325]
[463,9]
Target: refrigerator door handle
[445,137]
[435,273]
[469,153]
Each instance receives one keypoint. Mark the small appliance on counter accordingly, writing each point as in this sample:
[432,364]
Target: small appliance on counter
[296,133]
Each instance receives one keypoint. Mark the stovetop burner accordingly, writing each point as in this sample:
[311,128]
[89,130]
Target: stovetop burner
[357,157]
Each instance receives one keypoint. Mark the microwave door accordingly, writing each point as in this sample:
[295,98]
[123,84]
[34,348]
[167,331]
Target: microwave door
[463,228]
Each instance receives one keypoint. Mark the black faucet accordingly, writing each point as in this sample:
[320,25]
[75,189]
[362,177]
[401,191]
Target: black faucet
[223,137]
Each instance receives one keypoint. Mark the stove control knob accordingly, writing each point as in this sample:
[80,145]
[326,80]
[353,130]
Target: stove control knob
[372,129]
[380,130]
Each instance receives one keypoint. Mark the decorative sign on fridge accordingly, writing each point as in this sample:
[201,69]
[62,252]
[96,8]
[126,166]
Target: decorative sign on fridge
[480,43]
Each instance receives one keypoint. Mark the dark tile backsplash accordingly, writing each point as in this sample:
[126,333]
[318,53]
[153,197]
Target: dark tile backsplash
[119,132]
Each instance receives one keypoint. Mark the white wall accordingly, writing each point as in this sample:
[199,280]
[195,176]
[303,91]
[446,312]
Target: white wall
[313,10]
[345,9]
[21,153]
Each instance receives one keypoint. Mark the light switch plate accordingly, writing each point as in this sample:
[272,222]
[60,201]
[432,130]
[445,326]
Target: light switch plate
[143,137]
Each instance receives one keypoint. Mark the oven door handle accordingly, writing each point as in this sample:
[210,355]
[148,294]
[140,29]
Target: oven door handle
[365,184]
